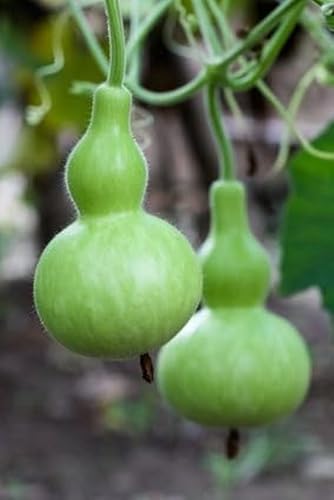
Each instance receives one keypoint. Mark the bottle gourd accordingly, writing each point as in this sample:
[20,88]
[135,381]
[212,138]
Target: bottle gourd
[117,282]
[235,363]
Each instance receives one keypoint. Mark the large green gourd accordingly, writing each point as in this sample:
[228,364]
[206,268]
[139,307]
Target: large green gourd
[234,363]
[117,282]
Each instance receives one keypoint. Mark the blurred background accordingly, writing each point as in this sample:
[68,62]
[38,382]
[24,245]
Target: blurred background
[79,429]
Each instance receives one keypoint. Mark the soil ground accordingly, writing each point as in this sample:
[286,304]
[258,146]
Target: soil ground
[57,443]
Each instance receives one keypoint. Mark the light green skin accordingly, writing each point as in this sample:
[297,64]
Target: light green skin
[235,266]
[234,364]
[235,367]
[117,282]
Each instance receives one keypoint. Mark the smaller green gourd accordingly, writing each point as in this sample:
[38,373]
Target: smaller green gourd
[117,282]
[234,364]
[235,265]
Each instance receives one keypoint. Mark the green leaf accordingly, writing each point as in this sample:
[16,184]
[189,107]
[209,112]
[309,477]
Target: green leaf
[67,110]
[35,151]
[307,234]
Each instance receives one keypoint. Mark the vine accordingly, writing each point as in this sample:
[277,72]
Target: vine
[227,62]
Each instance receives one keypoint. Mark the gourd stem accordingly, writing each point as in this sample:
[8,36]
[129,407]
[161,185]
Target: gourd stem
[224,147]
[116,71]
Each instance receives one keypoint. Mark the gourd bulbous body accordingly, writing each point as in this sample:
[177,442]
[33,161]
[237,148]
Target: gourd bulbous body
[234,363]
[234,367]
[117,282]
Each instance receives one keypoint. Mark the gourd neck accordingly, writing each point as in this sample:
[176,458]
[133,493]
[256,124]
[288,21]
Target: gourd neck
[107,172]
[111,108]
[236,270]
[228,208]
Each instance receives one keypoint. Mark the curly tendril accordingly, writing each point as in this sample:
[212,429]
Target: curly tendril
[295,103]
[286,116]
[36,113]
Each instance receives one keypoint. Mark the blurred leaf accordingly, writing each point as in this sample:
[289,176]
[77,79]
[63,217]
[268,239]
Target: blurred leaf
[16,490]
[5,238]
[130,416]
[36,148]
[306,235]
[67,110]
[35,151]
